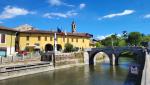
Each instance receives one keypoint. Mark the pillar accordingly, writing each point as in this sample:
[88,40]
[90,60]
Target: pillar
[86,58]
[112,61]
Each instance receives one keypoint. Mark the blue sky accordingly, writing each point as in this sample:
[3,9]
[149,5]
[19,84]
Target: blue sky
[98,17]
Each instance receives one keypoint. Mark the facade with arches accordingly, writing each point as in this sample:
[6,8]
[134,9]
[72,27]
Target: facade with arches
[44,40]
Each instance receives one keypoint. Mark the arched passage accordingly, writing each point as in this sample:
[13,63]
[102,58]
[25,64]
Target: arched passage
[59,47]
[126,54]
[48,47]
[99,57]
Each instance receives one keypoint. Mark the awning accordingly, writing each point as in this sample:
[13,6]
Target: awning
[37,47]
[3,48]
[30,46]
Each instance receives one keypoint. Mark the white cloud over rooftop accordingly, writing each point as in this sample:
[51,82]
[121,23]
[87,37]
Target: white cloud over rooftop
[11,12]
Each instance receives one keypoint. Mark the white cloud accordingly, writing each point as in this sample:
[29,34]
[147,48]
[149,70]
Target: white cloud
[55,2]
[60,15]
[11,12]
[82,5]
[101,37]
[125,12]
[147,16]
[58,3]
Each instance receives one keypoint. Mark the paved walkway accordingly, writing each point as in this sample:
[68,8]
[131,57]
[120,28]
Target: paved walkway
[146,72]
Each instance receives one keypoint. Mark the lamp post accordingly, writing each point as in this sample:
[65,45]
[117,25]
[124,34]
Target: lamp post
[55,42]
[112,42]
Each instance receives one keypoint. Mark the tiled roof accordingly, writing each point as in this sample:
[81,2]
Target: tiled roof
[48,32]
[7,29]
[61,33]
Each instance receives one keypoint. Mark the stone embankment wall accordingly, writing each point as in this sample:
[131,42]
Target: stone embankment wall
[69,58]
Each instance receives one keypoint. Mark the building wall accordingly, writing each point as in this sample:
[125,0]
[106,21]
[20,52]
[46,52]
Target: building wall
[33,38]
[9,42]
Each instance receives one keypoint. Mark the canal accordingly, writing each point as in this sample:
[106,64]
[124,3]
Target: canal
[100,74]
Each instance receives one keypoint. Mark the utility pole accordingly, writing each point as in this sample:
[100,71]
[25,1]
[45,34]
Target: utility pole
[55,42]
[112,42]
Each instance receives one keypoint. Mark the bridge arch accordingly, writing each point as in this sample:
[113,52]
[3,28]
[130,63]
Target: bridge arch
[101,57]
[138,55]
[125,54]
[106,55]
[115,52]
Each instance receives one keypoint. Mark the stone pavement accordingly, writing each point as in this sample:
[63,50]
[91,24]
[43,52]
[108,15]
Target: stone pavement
[146,72]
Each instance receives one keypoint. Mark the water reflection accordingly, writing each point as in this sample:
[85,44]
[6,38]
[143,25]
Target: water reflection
[100,74]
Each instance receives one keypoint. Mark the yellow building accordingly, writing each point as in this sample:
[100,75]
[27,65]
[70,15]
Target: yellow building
[44,40]
[7,41]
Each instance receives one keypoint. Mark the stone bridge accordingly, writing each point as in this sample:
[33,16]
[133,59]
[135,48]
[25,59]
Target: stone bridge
[115,52]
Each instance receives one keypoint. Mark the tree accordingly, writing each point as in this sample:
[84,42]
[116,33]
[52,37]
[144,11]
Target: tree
[114,40]
[107,41]
[98,45]
[68,47]
[122,42]
[134,38]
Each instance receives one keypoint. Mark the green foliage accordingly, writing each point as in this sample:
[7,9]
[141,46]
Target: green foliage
[98,45]
[69,48]
[134,38]
[112,40]
[107,41]
[122,43]
[146,38]
[127,54]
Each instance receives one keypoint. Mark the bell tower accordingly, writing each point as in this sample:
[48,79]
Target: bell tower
[73,27]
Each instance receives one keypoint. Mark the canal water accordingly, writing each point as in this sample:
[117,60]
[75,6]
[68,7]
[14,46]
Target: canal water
[100,74]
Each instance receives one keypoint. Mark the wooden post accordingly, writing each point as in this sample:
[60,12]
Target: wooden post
[54,59]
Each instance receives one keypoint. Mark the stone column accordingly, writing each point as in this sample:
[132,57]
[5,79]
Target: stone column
[113,60]
[86,58]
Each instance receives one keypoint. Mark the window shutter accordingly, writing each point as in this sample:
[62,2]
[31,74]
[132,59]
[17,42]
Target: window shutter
[2,38]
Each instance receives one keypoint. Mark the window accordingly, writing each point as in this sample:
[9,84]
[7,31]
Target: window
[76,39]
[2,38]
[39,38]
[72,39]
[45,38]
[51,38]
[27,38]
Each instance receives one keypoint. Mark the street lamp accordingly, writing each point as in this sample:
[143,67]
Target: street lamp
[55,42]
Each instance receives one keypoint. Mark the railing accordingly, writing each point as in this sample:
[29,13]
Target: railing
[20,58]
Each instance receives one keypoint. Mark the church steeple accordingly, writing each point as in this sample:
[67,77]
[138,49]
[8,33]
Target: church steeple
[73,27]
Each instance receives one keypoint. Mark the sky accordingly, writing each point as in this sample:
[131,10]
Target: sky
[98,17]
